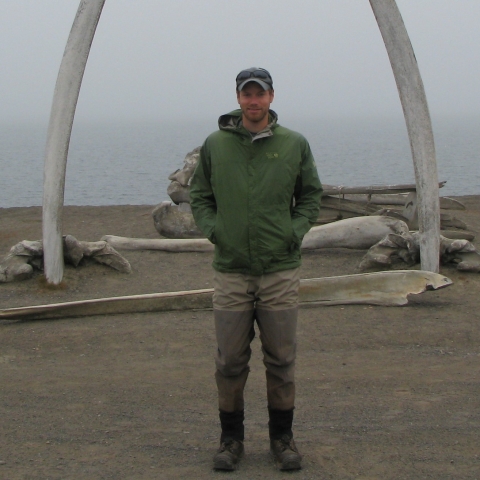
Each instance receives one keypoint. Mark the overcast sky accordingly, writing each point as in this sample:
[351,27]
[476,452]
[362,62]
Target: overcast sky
[156,59]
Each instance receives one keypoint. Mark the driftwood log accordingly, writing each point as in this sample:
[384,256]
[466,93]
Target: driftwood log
[400,199]
[340,202]
[342,190]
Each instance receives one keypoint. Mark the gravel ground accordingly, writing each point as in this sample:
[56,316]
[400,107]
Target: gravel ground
[383,392]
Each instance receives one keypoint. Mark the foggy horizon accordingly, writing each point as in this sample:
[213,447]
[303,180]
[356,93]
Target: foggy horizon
[158,61]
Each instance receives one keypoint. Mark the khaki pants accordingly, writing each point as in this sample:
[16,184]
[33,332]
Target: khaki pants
[272,301]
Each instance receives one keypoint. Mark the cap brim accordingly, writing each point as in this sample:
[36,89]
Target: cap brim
[264,85]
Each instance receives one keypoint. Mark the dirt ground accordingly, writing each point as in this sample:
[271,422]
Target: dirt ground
[383,392]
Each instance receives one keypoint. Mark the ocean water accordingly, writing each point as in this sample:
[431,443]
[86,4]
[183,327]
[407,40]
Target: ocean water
[122,163]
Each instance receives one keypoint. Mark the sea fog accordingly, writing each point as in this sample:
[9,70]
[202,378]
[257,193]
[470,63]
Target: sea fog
[119,162]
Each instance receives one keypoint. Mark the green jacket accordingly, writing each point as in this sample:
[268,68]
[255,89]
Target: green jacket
[255,199]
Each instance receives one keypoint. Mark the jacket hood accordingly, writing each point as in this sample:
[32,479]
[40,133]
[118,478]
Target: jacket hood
[233,121]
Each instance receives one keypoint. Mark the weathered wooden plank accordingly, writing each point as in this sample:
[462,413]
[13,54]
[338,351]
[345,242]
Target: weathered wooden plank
[344,205]
[446,203]
[372,189]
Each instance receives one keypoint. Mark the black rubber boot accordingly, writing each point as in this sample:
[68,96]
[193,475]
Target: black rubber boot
[231,441]
[280,422]
[232,425]
[282,446]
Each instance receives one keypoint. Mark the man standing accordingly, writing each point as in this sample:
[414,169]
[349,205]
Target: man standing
[254,194]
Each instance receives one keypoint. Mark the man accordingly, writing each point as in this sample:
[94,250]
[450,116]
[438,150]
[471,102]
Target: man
[254,194]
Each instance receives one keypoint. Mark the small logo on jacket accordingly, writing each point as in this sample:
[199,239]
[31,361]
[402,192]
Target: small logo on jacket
[272,155]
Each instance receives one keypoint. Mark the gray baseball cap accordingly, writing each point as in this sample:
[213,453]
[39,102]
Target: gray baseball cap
[254,74]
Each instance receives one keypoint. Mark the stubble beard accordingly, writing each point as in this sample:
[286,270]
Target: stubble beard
[257,117]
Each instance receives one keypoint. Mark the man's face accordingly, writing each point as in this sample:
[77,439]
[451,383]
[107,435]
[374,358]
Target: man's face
[254,102]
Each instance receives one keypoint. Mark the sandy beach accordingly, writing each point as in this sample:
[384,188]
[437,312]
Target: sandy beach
[383,392]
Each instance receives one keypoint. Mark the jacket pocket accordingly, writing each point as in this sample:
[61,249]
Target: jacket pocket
[295,240]
[212,236]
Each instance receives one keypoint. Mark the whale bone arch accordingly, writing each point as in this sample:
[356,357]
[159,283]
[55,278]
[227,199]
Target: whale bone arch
[410,88]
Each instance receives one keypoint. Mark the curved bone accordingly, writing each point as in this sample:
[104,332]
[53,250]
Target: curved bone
[183,176]
[19,262]
[16,265]
[179,188]
[178,193]
[356,232]
[379,256]
[419,126]
[407,247]
[64,103]
[462,252]
[102,252]
[469,262]
[382,288]
[164,244]
[175,221]
[13,268]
